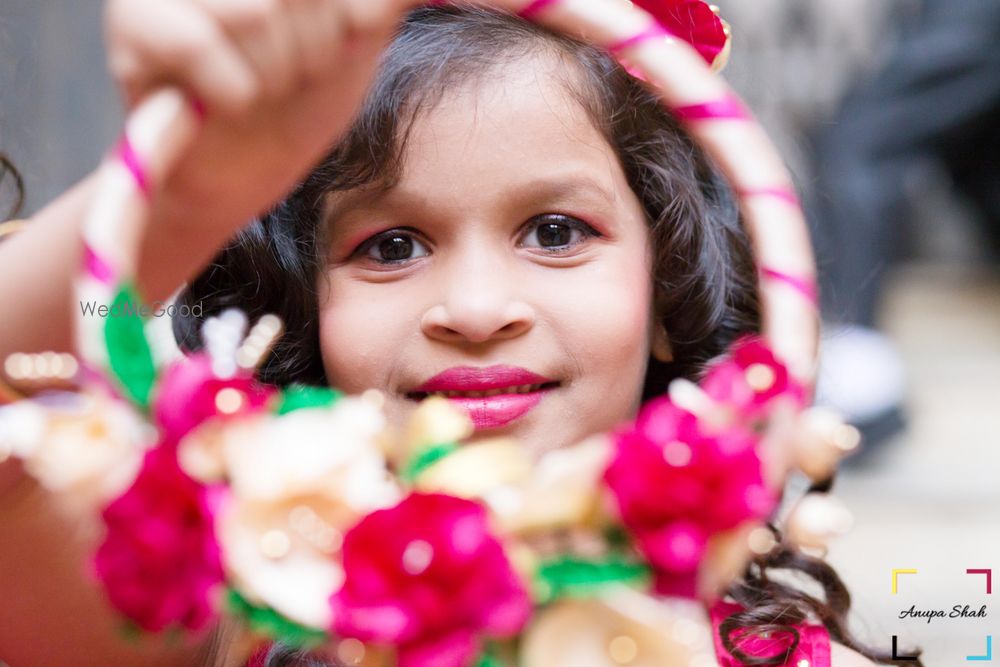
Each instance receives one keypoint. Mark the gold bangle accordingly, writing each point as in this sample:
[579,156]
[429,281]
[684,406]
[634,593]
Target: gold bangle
[8,394]
[12,227]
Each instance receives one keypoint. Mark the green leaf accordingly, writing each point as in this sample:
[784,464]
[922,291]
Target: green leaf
[269,622]
[129,354]
[130,631]
[301,397]
[427,457]
[578,577]
[487,659]
[617,537]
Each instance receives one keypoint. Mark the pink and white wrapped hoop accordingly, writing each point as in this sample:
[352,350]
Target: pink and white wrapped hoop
[762,383]
[712,112]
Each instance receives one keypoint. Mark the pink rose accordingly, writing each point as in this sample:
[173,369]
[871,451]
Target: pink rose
[427,576]
[750,379]
[675,486]
[186,396]
[159,561]
[691,20]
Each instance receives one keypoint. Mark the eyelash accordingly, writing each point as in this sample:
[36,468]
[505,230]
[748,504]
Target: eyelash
[366,246]
[534,224]
[573,223]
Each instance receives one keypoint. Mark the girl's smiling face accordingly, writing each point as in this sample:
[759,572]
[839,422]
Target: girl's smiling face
[511,251]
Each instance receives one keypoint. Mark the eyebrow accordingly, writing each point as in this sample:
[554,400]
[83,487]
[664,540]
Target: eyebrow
[561,188]
[556,188]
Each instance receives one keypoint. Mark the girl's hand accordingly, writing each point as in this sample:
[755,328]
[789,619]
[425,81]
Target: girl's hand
[280,81]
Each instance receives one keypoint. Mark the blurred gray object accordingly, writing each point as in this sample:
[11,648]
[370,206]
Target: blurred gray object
[59,111]
[934,105]
[794,60]
[900,102]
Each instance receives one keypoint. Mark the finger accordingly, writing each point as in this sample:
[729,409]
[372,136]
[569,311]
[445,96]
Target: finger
[342,69]
[319,27]
[263,32]
[157,43]
[372,26]
[126,68]
[376,19]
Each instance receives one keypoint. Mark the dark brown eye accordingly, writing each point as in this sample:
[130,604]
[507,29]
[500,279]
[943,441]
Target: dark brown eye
[393,247]
[557,232]
[554,234]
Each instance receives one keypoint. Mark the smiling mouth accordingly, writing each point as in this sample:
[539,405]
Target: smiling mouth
[520,389]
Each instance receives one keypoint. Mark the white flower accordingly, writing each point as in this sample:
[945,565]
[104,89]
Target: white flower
[298,482]
[561,490]
[334,450]
[285,555]
[87,446]
[621,627]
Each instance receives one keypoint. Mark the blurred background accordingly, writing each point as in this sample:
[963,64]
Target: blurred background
[888,112]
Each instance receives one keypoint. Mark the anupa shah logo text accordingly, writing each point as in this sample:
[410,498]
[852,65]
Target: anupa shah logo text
[958,611]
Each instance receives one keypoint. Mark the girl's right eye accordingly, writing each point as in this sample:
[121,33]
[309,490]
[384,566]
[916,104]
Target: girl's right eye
[395,246]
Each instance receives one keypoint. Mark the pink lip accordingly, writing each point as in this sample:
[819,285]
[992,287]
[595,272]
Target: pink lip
[489,411]
[496,411]
[469,378]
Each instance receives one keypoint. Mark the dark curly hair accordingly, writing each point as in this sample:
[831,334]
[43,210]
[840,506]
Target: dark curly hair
[8,171]
[704,274]
[704,277]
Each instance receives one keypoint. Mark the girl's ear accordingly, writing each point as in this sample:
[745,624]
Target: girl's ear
[660,345]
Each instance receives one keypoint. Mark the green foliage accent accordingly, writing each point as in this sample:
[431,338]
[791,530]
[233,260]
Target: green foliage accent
[427,457]
[129,354]
[133,633]
[269,622]
[617,537]
[568,576]
[301,397]
[487,659]
[130,631]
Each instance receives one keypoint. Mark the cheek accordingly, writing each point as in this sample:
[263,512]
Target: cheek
[358,333]
[609,325]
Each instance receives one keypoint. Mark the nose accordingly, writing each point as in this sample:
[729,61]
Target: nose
[479,303]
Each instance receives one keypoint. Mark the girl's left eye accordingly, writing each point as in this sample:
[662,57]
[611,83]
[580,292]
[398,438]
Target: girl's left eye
[555,232]
[395,246]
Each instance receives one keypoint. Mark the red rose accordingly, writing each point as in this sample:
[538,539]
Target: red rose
[676,486]
[186,395]
[159,561]
[427,576]
[750,380]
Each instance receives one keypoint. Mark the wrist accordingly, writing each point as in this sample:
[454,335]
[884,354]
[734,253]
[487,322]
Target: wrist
[14,481]
[179,242]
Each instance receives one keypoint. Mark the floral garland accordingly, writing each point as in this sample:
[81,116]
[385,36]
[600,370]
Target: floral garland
[299,512]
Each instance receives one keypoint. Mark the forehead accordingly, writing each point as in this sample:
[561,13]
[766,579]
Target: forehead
[516,129]
[517,122]
[515,137]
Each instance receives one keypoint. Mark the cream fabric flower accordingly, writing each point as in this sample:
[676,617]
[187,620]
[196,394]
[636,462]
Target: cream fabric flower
[85,446]
[435,421]
[559,490]
[622,627]
[298,482]
[285,555]
[336,450]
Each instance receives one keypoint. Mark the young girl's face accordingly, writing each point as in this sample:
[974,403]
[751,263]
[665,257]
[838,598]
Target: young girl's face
[511,252]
